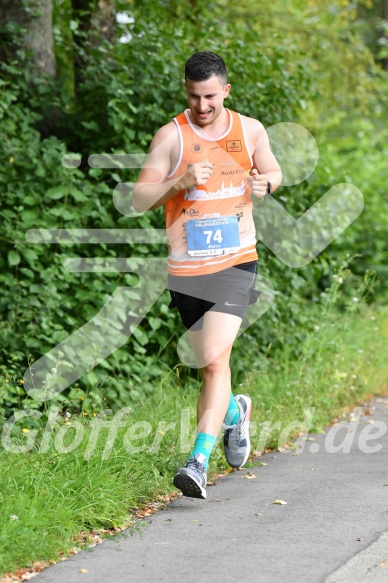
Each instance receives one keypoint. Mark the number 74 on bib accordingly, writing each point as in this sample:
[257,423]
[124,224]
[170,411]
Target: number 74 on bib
[217,236]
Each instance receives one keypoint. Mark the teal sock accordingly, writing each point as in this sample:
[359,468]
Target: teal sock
[233,412]
[204,444]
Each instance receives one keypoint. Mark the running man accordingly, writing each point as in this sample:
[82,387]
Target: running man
[204,167]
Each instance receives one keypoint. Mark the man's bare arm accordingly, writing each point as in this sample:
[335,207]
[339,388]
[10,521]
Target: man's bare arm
[264,160]
[266,167]
[152,188]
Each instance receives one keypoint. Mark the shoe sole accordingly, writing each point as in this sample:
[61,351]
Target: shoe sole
[188,486]
[249,413]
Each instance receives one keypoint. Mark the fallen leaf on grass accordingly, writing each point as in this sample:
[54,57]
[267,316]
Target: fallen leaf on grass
[279,502]
[368,412]
[167,498]
[249,476]
[28,576]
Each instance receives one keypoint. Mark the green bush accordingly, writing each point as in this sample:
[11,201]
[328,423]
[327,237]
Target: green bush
[127,92]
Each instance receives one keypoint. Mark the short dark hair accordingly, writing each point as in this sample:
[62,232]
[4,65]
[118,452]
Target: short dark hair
[203,65]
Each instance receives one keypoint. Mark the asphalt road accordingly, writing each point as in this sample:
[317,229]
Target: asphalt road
[333,529]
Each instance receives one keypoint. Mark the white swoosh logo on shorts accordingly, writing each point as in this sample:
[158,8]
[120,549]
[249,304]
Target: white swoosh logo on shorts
[239,305]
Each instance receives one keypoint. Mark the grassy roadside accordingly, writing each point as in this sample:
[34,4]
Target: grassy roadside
[95,476]
[343,364]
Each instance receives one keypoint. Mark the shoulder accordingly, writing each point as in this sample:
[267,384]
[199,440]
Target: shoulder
[165,143]
[255,134]
[253,127]
[167,133]
[165,147]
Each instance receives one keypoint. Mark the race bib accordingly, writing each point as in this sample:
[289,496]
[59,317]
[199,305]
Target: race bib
[215,236]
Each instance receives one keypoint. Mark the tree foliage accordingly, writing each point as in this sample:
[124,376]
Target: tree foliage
[113,87]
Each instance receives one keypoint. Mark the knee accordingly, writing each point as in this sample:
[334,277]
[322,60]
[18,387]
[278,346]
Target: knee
[214,362]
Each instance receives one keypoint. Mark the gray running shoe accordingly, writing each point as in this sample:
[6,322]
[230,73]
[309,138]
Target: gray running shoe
[237,445]
[191,480]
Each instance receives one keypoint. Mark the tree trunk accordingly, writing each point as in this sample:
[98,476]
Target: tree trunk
[37,37]
[384,16]
[103,21]
[96,20]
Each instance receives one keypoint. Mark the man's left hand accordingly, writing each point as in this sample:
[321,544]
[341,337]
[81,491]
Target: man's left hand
[258,184]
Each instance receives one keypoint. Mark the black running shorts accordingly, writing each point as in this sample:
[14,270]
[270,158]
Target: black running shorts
[229,291]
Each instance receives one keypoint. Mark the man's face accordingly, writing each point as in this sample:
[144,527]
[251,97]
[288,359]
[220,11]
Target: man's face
[206,99]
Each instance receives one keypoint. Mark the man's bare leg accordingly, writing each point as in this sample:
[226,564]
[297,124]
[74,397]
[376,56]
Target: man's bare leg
[212,347]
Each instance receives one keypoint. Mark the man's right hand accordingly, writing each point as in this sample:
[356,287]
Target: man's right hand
[153,187]
[197,174]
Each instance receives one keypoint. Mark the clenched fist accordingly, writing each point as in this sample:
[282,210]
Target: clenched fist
[198,173]
[258,184]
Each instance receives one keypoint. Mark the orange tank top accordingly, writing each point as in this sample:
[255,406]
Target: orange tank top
[224,198]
